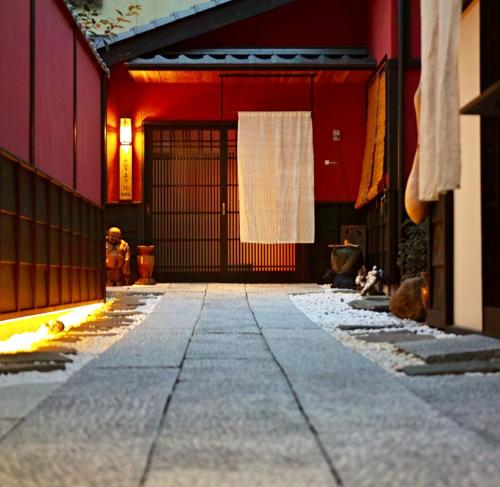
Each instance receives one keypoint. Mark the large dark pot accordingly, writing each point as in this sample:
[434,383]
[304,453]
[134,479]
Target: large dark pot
[145,264]
[345,261]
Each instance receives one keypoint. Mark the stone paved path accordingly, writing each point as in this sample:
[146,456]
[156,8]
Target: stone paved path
[230,385]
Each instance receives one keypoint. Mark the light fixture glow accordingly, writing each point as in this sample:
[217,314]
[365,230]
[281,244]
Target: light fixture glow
[43,328]
[125,131]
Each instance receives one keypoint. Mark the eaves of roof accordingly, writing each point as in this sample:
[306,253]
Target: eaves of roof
[161,22]
[307,58]
[180,26]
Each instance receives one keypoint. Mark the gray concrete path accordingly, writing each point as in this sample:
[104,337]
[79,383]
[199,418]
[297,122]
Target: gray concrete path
[230,385]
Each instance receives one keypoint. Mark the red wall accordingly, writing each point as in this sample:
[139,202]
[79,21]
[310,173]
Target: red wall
[382,28]
[89,127]
[336,105]
[414,27]
[54,36]
[54,92]
[322,23]
[383,35]
[15,77]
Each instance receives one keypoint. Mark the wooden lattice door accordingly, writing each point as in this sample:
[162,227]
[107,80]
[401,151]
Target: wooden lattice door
[192,214]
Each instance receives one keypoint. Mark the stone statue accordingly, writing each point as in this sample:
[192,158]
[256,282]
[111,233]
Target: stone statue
[117,259]
[373,283]
[345,262]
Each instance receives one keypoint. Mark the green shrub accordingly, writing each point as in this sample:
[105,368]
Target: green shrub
[412,253]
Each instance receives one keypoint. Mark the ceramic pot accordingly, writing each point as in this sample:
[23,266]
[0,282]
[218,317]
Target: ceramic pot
[145,264]
[345,261]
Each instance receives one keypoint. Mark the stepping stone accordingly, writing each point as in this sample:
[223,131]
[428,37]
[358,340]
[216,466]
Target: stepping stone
[33,357]
[482,366]
[352,327]
[119,314]
[107,323]
[373,303]
[65,350]
[393,337]
[454,349]
[75,337]
[43,367]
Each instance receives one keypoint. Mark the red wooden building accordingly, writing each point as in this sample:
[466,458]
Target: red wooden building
[182,81]
[51,132]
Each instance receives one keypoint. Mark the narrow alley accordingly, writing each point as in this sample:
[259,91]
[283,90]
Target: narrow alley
[230,384]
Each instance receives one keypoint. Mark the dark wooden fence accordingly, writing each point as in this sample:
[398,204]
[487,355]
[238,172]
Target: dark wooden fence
[51,243]
[440,313]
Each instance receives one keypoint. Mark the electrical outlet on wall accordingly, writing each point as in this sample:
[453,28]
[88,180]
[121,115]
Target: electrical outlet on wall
[336,135]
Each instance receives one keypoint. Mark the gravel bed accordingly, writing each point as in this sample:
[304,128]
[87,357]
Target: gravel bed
[330,309]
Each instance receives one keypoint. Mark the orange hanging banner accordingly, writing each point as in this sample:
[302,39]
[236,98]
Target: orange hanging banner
[372,172]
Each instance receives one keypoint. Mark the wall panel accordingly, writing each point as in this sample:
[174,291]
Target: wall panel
[15,77]
[88,155]
[51,237]
[54,92]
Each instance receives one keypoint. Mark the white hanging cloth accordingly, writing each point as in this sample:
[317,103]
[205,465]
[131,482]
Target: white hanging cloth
[439,169]
[276,177]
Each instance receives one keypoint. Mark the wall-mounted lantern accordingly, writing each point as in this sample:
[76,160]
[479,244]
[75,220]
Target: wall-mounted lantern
[125,131]
[125,159]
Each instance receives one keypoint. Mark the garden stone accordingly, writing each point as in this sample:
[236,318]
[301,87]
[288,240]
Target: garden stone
[407,302]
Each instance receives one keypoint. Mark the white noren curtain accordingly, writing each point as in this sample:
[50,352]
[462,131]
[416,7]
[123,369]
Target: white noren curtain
[439,169]
[276,177]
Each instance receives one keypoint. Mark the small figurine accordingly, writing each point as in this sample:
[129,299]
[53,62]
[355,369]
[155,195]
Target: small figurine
[361,278]
[117,259]
[373,282]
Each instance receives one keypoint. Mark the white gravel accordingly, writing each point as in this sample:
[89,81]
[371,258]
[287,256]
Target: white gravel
[330,309]
[87,348]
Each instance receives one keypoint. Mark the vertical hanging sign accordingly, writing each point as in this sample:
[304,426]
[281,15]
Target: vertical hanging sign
[125,172]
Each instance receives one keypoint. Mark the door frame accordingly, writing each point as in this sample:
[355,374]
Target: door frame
[301,274]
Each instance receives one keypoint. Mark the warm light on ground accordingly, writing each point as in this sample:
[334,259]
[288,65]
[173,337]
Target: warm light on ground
[48,326]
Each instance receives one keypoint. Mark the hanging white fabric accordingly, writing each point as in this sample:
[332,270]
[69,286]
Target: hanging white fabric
[276,177]
[439,169]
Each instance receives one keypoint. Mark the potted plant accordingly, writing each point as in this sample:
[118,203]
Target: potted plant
[412,255]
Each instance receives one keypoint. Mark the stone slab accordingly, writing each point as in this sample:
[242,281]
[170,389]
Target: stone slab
[30,367]
[453,349]
[142,349]
[453,368]
[17,400]
[96,429]
[376,303]
[56,349]
[233,422]
[33,357]
[361,326]
[6,425]
[232,346]
[161,339]
[120,314]
[393,337]
[470,400]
